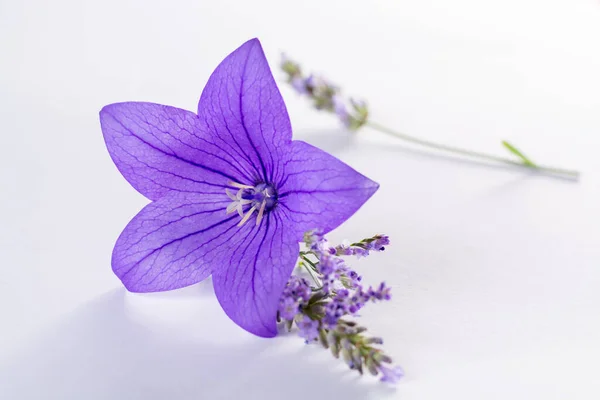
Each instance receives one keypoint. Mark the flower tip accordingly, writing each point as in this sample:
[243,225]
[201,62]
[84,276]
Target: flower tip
[254,41]
[106,112]
[249,46]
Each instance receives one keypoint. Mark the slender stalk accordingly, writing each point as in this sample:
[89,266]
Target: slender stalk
[312,264]
[473,154]
[310,269]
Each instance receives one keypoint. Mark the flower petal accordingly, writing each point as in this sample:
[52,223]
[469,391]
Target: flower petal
[160,148]
[250,286]
[320,191]
[171,243]
[242,105]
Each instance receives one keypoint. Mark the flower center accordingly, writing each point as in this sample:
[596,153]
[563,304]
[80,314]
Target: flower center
[248,199]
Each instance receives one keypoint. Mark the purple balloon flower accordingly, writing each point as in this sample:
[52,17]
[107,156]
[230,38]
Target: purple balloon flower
[231,193]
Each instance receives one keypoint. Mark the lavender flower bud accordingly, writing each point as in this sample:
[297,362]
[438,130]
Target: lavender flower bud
[359,252]
[391,375]
[331,338]
[290,67]
[360,329]
[346,344]
[357,359]
[374,340]
[340,109]
[358,105]
[299,84]
[309,329]
[379,358]
[323,339]
[335,349]
[347,357]
[370,364]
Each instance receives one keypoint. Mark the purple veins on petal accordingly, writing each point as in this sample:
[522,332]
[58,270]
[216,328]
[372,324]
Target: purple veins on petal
[244,109]
[168,244]
[319,190]
[160,148]
[254,275]
[232,193]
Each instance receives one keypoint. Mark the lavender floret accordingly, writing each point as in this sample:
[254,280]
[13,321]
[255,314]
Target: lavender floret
[325,96]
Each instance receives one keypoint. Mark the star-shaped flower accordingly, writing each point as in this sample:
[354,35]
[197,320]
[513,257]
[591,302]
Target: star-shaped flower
[231,193]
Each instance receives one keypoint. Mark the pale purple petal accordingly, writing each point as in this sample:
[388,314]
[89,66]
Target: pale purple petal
[172,242]
[244,109]
[319,191]
[250,286]
[160,148]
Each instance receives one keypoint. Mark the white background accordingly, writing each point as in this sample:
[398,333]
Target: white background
[495,271]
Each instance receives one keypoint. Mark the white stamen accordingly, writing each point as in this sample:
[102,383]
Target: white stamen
[239,185]
[240,210]
[231,195]
[231,207]
[260,212]
[238,205]
[247,216]
[238,202]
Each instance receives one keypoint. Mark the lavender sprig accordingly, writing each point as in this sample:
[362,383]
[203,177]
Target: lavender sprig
[325,96]
[321,310]
[355,114]
[362,248]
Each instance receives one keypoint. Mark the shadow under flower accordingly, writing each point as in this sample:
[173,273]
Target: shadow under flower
[176,345]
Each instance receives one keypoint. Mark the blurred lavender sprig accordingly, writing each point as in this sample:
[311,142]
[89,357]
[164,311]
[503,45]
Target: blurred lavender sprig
[321,310]
[354,114]
[325,96]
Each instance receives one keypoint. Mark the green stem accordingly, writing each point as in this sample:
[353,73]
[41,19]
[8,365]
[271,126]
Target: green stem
[312,264]
[310,270]
[473,154]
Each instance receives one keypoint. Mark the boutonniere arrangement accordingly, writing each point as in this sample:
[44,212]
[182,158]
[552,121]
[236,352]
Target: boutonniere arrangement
[232,197]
